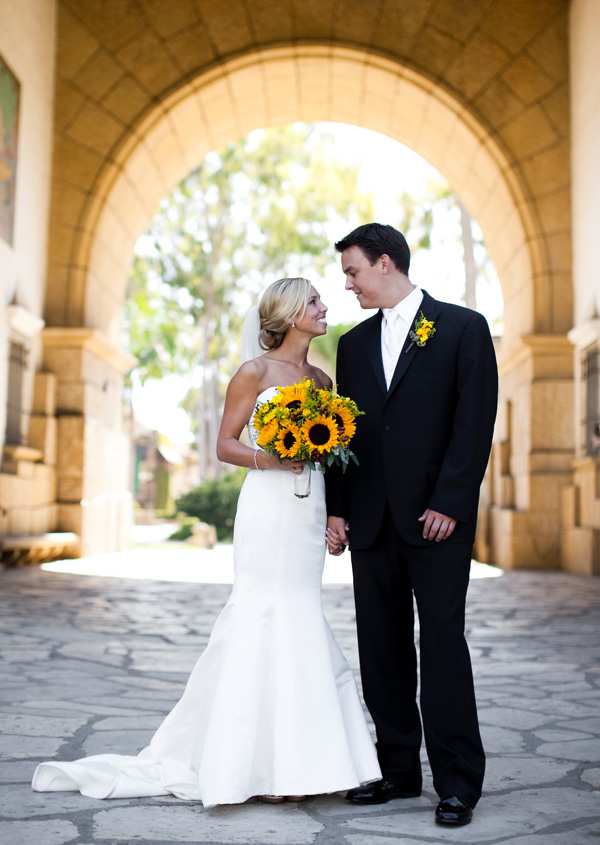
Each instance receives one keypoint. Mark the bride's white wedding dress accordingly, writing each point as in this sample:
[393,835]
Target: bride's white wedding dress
[271,706]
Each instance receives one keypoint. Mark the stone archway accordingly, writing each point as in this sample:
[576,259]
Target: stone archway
[276,86]
[501,173]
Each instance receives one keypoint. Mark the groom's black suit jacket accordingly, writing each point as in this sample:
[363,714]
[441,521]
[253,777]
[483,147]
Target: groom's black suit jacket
[424,443]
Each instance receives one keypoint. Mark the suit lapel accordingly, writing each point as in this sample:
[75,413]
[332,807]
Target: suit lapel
[373,349]
[430,307]
[405,359]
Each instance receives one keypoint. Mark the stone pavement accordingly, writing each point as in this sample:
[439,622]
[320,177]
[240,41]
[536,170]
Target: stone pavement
[93,664]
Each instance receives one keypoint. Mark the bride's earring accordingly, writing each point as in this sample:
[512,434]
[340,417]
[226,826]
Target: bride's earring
[293,325]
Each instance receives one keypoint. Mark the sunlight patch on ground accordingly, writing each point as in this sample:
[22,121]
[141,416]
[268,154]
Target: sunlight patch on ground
[179,562]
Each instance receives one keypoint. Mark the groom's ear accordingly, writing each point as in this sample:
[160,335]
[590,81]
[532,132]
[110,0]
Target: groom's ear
[386,262]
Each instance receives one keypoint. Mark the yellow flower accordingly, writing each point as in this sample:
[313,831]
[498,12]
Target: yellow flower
[423,331]
[324,396]
[288,441]
[337,402]
[267,433]
[321,433]
[345,422]
[293,395]
[269,416]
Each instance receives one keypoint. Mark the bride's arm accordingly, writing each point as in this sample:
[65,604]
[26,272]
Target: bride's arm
[240,400]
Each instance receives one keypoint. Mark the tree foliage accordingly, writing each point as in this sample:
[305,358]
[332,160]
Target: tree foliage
[214,501]
[326,345]
[262,208]
[418,218]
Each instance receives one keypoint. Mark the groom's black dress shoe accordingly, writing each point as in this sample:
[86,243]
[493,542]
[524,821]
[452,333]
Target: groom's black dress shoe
[453,811]
[381,791]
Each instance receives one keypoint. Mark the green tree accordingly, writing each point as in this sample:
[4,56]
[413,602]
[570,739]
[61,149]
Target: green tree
[262,208]
[418,222]
[326,346]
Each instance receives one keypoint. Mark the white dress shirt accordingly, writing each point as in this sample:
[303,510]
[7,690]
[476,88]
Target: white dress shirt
[395,325]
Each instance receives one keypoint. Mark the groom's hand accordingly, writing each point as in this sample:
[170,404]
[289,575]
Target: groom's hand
[336,534]
[437,526]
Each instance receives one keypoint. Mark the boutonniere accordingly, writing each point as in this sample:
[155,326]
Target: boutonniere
[424,330]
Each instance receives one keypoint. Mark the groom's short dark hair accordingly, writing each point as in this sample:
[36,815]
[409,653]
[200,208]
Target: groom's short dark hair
[375,239]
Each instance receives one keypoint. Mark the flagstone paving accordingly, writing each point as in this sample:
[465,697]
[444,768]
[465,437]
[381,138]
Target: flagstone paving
[93,664]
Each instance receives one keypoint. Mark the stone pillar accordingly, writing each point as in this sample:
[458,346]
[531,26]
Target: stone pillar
[532,453]
[581,500]
[93,449]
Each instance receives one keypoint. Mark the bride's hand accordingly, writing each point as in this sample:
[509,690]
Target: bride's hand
[292,466]
[273,462]
[336,534]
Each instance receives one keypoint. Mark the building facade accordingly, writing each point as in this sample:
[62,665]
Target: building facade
[118,100]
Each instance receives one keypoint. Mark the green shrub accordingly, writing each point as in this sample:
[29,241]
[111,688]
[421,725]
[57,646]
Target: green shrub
[185,529]
[215,501]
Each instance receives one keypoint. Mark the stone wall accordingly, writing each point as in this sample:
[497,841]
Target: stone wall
[585,117]
[93,437]
[581,500]
[27,45]
[479,89]
[27,476]
[133,97]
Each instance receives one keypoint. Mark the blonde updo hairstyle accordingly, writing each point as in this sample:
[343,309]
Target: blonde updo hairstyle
[282,302]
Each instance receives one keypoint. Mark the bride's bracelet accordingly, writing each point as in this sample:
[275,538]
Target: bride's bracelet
[255,462]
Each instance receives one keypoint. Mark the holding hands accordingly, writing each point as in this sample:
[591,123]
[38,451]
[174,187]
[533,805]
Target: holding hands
[336,534]
[436,526]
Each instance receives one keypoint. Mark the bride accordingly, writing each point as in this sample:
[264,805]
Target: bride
[270,708]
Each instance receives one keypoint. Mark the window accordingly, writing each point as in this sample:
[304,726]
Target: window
[591,376]
[17,365]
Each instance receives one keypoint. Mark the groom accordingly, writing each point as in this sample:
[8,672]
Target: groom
[425,374]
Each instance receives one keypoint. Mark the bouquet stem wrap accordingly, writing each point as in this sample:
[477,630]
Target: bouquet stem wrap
[302,482]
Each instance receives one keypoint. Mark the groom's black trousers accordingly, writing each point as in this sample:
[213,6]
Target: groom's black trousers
[385,577]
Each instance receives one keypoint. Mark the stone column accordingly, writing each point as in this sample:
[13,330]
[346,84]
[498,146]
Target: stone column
[532,453]
[581,500]
[93,450]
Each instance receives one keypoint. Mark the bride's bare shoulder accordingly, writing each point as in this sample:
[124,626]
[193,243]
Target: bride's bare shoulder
[321,377]
[250,374]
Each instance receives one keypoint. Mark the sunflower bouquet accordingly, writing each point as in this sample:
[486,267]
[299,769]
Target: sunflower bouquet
[304,422]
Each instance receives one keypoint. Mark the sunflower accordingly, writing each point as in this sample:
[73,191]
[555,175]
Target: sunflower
[344,420]
[293,396]
[288,441]
[321,433]
[324,397]
[267,433]
[336,402]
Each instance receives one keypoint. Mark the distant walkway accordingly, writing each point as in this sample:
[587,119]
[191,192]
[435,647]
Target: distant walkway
[91,664]
[157,560]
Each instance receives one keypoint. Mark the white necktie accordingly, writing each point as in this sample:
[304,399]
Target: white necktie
[393,340]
